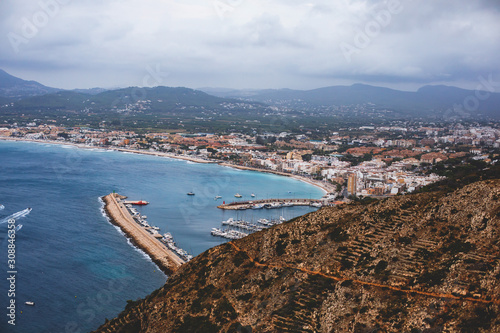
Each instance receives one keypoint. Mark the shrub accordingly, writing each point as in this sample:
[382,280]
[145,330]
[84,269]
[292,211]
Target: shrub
[338,235]
[381,266]
[280,247]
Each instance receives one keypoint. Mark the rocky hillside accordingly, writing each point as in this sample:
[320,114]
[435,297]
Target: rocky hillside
[428,262]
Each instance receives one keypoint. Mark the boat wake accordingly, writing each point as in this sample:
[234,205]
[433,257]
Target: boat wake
[17,215]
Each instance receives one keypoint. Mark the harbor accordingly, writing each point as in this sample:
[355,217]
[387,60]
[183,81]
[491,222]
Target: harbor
[161,249]
[249,227]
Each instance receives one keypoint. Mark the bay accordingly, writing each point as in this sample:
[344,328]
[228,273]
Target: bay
[76,266]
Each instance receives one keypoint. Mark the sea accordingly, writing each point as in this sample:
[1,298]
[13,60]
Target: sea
[78,268]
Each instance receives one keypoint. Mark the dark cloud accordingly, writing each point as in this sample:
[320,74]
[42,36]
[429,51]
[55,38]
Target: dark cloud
[260,44]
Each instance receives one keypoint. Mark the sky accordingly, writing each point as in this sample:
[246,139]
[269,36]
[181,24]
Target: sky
[401,44]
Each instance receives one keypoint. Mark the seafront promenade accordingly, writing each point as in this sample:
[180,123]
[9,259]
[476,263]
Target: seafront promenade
[166,260]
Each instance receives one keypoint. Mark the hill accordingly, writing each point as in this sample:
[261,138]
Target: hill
[132,99]
[427,262]
[13,87]
[428,101]
[329,104]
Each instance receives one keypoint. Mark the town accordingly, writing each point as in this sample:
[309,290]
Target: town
[351,163]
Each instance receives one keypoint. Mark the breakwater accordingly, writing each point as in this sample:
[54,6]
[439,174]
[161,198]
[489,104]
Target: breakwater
[166,260]
[272,203]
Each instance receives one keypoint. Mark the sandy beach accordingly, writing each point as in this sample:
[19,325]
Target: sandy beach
[325,187]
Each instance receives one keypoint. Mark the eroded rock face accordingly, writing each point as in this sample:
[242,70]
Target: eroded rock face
[428,262]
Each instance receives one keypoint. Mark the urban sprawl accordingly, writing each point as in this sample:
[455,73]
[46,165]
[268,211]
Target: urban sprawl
[351,163]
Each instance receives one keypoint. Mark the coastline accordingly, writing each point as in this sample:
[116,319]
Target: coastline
[324,187]
[125,150]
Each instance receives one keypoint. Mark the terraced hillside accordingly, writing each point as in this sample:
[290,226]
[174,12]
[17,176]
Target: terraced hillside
[428,262]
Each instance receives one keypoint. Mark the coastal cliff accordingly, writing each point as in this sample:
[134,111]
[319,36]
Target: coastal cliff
[427,262]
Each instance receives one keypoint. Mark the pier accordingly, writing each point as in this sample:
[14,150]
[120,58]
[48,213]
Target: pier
[273,203]
[119,215]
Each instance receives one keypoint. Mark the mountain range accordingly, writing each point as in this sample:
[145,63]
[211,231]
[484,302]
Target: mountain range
[428,101]
[425,101]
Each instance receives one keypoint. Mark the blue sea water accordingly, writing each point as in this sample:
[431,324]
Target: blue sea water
[76,266]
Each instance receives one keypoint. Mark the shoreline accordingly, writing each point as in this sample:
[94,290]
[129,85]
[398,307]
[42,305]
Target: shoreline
[167,261]
[324,187]
[124,150]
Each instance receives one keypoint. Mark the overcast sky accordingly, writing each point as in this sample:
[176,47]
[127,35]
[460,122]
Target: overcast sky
[401,44]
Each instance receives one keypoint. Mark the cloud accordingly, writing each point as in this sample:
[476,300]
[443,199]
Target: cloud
[242,43]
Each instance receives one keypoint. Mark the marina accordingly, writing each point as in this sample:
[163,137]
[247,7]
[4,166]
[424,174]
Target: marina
[242,225]
[249,227]
[160,249]
[168,239]
[228,233]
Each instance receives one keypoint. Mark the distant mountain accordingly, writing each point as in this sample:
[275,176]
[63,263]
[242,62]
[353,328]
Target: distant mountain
[132,99]
[90,91]
[427,101]
[236,93]
[13,87]
[442,102]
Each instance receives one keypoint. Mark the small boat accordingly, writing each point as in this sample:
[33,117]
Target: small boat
[30,303]
[217,197]
[2,207]
[237,195]
[140,203]
[190,193]
[252,195]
